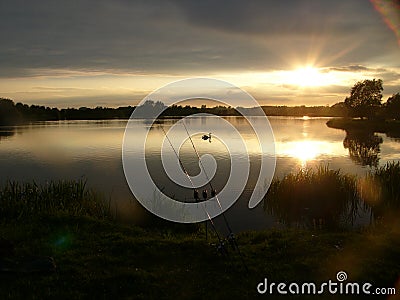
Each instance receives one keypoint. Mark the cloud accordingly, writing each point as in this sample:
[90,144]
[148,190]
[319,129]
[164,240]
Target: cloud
[319,31]
[63,41]
[185,37]
[389,76]
[351,68]
[274,17]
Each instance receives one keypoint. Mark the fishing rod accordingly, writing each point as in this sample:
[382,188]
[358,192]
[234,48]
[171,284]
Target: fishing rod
[208,178]
[231,237]
[221,245]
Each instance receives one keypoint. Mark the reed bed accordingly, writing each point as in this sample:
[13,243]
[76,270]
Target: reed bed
[25,200]
[313,197]
[319,196]
[380,190]
[327,197]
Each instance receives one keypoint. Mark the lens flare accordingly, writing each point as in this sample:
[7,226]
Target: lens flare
[390,11]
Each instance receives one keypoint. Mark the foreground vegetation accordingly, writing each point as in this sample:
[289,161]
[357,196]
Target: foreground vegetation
[103,260]
[98,258]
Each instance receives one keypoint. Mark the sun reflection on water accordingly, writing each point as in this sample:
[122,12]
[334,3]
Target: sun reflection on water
[308,150]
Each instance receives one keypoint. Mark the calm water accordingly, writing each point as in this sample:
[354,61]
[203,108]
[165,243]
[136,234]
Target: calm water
[92,149]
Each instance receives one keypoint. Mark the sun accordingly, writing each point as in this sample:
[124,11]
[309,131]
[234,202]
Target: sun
[308,77]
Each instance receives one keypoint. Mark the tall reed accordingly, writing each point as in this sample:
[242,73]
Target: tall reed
[314,196]
[24,200]
[380,190]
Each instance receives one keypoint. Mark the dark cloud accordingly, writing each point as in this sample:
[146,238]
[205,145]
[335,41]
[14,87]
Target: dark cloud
[125,36]
[186,37]
[351,68]
[324,32]
[262,17]
[80,34]
[389,76]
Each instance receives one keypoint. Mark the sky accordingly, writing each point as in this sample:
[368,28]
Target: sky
[113,53]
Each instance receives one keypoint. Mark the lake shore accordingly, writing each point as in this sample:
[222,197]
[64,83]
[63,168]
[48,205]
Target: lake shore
[390,127]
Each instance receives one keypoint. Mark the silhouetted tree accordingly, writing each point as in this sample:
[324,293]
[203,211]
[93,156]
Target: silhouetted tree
[149,109]
[365,98]
[9,114]
[392,107]
[339,109]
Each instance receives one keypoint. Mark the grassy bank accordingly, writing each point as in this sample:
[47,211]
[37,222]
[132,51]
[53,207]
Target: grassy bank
[98,258]
[103,260]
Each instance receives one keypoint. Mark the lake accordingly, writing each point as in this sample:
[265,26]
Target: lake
[92,149]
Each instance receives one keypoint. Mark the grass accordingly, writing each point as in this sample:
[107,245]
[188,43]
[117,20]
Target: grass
[98,258]
[102,260]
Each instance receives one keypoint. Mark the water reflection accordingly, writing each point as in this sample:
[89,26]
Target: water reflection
[306,140]
[394,134]
[71,149]
[308,150]
[6,131]
[364,147]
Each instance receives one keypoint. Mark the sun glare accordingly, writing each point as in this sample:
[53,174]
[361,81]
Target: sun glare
[308,150]
[308,77]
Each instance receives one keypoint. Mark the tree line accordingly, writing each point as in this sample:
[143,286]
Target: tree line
[11,113]
[364,101]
